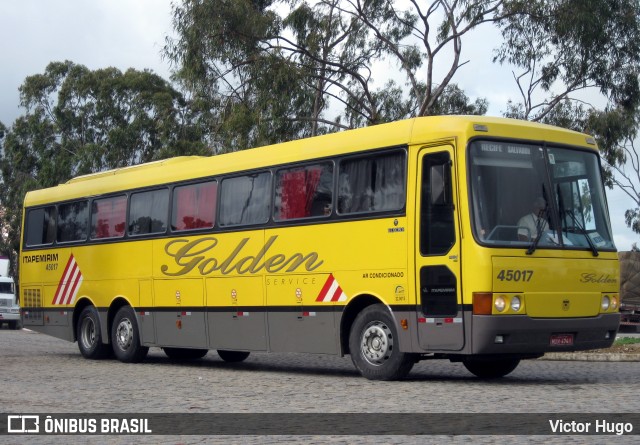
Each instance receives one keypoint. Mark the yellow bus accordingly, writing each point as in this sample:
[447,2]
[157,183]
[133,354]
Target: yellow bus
[474,239]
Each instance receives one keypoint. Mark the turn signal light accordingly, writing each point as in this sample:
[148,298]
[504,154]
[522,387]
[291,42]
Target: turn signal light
[482,302]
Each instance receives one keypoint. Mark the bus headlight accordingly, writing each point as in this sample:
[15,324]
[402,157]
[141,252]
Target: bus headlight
[605,303]
[515,304]
[500,303]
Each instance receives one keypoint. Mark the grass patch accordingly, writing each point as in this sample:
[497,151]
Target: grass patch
[626,341]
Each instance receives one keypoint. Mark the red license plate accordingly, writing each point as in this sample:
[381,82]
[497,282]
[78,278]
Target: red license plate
[561,340]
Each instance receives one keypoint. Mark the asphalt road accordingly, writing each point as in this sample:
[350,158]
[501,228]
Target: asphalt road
[41,374]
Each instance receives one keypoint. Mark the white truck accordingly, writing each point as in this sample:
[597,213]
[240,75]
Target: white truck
[9,308]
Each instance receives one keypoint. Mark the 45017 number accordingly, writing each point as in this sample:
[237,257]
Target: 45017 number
[515,275]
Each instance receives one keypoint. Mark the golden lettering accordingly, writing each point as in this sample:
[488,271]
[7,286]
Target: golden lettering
[271,265]
[226,267]
[199,254]
[186,251]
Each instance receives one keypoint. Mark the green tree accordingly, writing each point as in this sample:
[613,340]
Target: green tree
[236,92]
[79,121]
[274,70]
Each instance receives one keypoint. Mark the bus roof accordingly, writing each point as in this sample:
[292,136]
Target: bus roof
[406,132]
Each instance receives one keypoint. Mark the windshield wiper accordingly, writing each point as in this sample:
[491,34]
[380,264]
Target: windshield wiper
[581,230]
[539,224]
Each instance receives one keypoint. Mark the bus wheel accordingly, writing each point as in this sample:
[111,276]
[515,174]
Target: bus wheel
[125,337]
[233,356]
[373,344]
[491,369]
[185,353]
[89,335]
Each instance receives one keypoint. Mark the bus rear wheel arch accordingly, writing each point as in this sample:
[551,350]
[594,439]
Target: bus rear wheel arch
[374,347]
[89,335]
[125,337]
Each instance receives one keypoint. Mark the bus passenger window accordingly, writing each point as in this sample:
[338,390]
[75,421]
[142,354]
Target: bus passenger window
[108,217]
[41,226]
[148,212]
[194,206]
[73,221]
[245,199]
[304,192]
[372,184]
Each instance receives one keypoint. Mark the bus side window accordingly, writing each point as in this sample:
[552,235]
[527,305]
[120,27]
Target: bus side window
[194,206]
[73,221]
[245,199]
[41,226]
[437,230]
[108,217]
[372,184]
[148,212]
[303,192]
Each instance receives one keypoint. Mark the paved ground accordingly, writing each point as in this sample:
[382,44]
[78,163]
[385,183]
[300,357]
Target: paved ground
[43,374]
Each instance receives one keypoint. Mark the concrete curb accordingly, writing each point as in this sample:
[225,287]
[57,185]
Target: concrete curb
[591,357]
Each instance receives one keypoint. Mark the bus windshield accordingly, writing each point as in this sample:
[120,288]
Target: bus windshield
[534,196]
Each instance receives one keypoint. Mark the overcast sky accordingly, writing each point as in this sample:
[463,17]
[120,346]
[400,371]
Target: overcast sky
[131,33]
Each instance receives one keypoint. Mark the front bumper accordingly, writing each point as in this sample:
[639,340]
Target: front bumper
[521,334]
[9,314]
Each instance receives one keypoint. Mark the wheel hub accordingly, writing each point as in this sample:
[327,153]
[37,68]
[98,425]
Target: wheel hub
[88,332]
[124,334]
[376,343]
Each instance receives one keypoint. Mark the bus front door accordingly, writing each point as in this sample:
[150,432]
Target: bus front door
[440,319]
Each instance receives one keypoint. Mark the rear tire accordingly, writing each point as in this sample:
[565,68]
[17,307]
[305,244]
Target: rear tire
[374,348]
[233,356]
[89,335]
[491,369]
[185,353]
[125,337]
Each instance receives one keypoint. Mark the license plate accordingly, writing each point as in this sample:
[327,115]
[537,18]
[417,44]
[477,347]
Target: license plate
[561,340]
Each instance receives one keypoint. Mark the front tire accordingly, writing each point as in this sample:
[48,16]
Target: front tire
[90,335]
[125,337]
[374,347]
[491,369]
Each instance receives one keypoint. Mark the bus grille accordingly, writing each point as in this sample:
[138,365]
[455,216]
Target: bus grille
[32,304]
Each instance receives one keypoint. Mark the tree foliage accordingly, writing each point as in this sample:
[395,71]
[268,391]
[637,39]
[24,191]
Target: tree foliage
[79,121]
[280,69]
[562,47]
